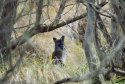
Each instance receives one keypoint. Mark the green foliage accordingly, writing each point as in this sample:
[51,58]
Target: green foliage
[119,80]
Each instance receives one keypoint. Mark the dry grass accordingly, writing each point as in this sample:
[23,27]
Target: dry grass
[36,67]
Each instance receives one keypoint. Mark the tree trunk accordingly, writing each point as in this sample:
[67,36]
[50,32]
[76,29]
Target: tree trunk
[88,41]
[8,14]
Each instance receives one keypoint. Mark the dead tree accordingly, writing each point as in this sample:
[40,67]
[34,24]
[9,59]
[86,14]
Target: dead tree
[88,41]
[119,13]
[7,15]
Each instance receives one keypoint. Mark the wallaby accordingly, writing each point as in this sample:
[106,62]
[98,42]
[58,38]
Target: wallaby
[59,54]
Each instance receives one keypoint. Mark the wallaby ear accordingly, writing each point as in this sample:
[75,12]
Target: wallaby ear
[54,39]
[63,38]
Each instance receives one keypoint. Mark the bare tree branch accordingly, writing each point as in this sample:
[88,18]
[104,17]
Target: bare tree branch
[119,72]
[60,11]
[40,29]
[39,12]
[100,69]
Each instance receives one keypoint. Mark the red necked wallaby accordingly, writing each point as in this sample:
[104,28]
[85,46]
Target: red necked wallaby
[59,54]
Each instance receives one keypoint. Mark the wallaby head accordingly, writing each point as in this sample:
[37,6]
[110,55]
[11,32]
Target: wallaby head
[59,43]
[59,51]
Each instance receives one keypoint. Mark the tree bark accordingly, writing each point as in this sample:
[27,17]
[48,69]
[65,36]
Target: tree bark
[119,8]
[88,41]
[60,11]
[8,14]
